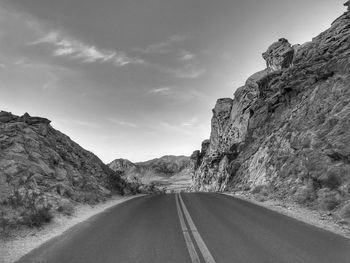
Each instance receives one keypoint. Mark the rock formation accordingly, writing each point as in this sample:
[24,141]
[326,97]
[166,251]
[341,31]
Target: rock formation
[347,4]
[43,169]
[288,128]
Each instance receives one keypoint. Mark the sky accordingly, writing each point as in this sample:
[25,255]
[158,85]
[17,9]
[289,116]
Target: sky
[137,79]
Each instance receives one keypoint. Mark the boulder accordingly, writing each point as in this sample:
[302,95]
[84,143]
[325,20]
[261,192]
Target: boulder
[279,55]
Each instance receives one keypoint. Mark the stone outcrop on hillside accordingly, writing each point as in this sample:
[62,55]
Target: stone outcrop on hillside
[347,4]
[121,165]
[43,169]
[288,128]
[146,172]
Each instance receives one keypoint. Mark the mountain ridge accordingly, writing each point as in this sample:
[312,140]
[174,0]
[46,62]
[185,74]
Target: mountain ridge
[42,171]
[157,169]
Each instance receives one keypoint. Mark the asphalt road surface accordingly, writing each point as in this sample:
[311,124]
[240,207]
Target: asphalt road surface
[192,227]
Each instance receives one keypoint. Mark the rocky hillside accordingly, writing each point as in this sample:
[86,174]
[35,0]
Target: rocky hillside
[287,130]
[153,170]
[43,171]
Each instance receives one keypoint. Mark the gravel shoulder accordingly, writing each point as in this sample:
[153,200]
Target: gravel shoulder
[23,241]
[321,219]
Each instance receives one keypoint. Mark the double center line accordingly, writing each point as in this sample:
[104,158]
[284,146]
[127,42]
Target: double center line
[208,258]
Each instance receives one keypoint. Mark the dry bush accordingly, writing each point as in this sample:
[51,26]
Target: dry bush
[327,199]
[260,198]
[66,208]
[304,194]
[8,220]
[345,211]
[331,179]
[262,190]
[37,217]
[257,189]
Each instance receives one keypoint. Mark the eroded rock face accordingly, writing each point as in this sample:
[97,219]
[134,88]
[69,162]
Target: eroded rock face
[289,126]
[41,167]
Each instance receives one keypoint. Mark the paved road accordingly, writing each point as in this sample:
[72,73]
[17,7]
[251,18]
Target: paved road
[195,227]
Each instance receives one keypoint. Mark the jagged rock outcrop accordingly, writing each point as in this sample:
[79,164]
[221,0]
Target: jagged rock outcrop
[347,4]
[153,170]
[41,168]
[121,165]
[279,55]
[288,127]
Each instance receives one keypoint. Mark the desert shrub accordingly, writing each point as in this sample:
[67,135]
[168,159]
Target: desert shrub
[345,211]
[257,189]
[260,198]
[91,198]
[246,188]
[327,199]
[262,190]
[37,217]
[8,220]
[304,194]
[66,208]
[330,179]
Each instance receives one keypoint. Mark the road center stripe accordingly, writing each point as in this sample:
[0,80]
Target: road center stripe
[190,246]
[208,258]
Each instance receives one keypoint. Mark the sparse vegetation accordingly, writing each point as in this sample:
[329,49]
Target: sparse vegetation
[260,198]
[331,179]
[257,189]
[345,211]
[327,199]
[262,190]
[304,194]
[66,208]
[7,220]
[37,217]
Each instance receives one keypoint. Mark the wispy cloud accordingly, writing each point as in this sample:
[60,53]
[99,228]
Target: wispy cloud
[186,55]
[180,94]
[65,46]
[51,83]
[160,90]
[191,74]
[191,122]
[189,71]
[162,47]
[122,122]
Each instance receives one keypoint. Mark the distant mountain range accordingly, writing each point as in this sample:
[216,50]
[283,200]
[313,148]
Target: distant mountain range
[159,169]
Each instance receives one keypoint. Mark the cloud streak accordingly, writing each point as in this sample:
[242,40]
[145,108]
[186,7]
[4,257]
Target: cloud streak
[122,123]
[186,55]
[65,46]
[162,47]
[160,90]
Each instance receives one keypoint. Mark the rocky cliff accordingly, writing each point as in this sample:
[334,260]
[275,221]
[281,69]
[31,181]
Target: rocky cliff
[153,170]
[43,170]
[288,128]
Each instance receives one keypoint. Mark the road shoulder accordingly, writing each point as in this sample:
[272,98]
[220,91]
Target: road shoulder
[26,240]
[319,219]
